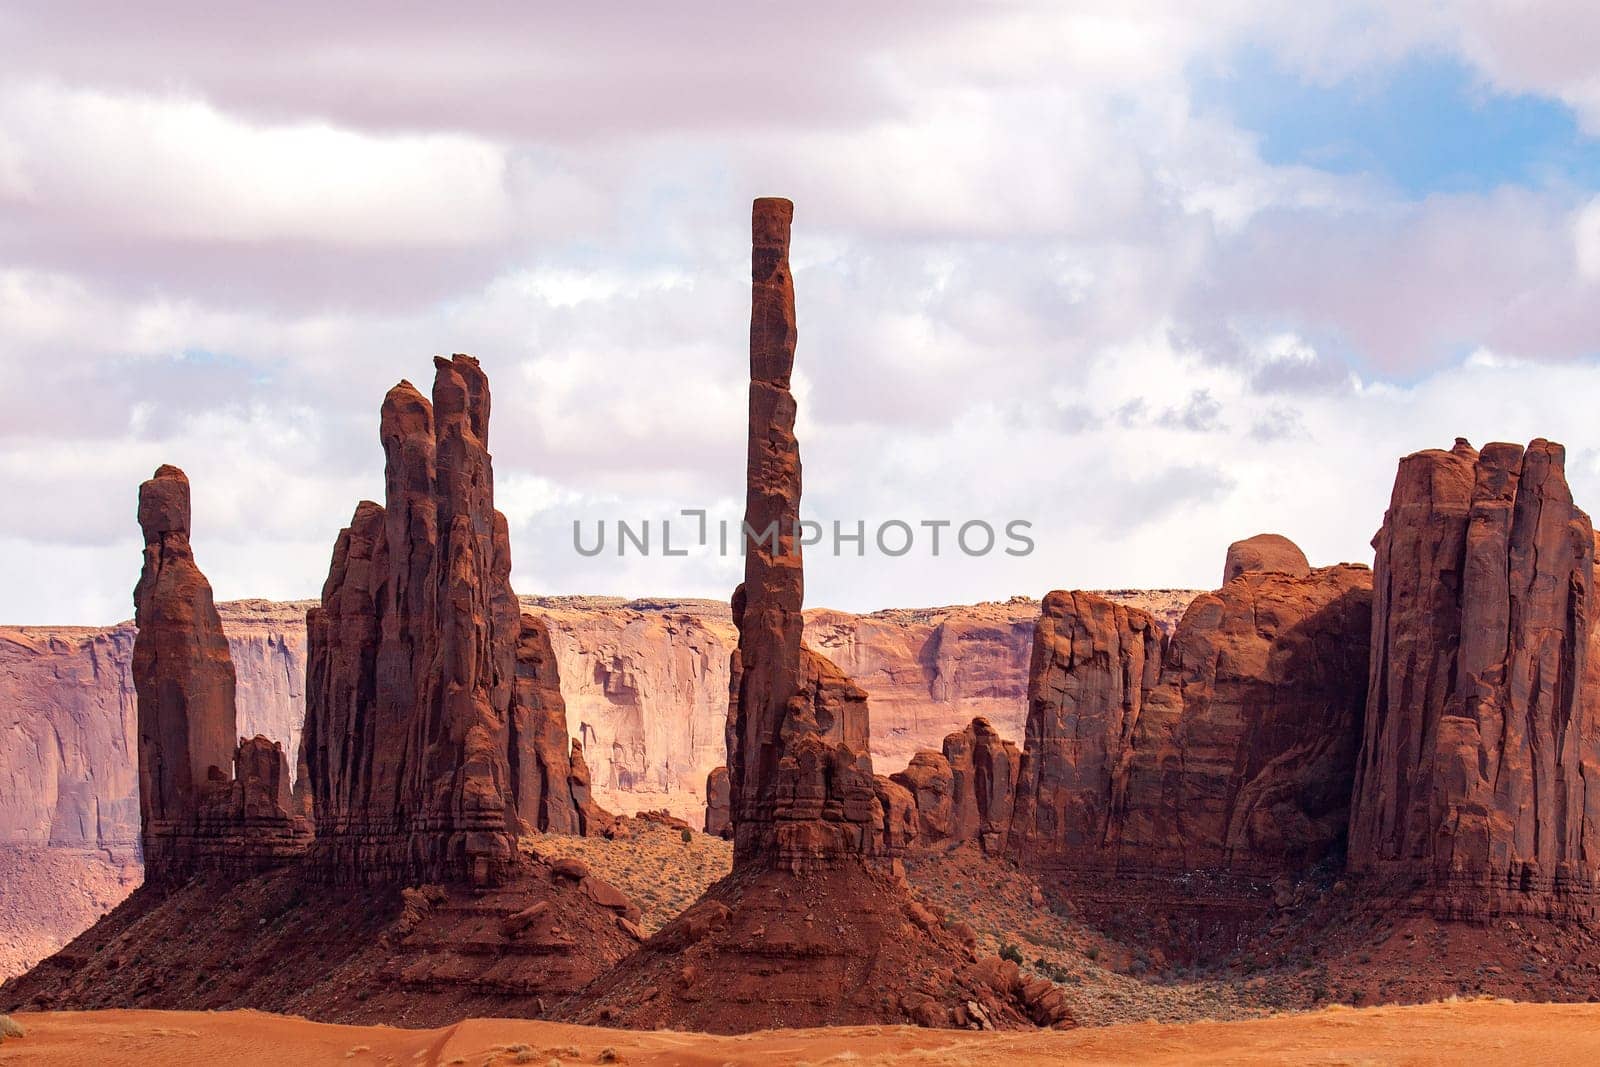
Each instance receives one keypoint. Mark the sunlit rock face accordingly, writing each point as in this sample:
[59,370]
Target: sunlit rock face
[1476,783]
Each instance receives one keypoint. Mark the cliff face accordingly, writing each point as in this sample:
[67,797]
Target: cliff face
[1479,759]
[1228,747]
[645,684]
[68,726]
[69,737]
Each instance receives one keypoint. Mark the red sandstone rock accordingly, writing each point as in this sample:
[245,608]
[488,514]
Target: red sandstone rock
[184,677]
[718,821]
[932,784]
[1227,750]
[983,769]
[1476,769]
[435,725]
[800,774]
[807,930]
[206,805]
[547,782]
[900,824]
[1265,554]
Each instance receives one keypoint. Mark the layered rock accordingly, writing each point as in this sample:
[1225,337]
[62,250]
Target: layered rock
[1266,553]
[800,775]
[983,771]
[205,803]
[435,736]
[645,684]
[184,679]
[435,727]
[550,779]
[811,928]
[71,753]
[1227,749]
[1475,786]
[931,783]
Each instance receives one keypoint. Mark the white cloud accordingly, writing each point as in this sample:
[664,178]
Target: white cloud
[176,167]
[1035,280]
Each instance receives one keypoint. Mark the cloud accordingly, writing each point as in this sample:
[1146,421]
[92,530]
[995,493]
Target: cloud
[1038,277]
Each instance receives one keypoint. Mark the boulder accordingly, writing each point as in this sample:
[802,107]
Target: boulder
[1265,554]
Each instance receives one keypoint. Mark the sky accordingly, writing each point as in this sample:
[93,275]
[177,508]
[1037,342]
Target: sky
[1150,277]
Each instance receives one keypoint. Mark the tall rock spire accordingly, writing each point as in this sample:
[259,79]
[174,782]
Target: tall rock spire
[184,677]
[422,761]
[206,802]
[810,928]
[1476,779]
[800,775]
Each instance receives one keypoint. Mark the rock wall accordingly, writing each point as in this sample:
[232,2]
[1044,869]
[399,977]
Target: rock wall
[435,731]
[645,684]
[1229,747]
[68,721]
[1479,761]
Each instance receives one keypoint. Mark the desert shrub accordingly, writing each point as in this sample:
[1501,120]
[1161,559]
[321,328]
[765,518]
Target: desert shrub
[1093,952]
[9,1027]
[1011,952]
[688,835]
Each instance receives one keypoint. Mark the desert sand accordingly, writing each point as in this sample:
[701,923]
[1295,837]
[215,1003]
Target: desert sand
[1449,1032]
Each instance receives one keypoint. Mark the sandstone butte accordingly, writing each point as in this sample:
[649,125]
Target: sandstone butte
[1478,786]
[815,926]
[1438,741]
[434,739]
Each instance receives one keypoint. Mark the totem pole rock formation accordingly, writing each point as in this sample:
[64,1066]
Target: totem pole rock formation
[1476,785]
[435,737]
[811,928]
[183,675]
[434,722]
[207,802]
[1228,749]
[800,776]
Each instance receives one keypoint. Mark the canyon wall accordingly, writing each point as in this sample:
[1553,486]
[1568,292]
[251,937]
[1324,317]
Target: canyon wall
[68,720]
[645,684]
[1227,747]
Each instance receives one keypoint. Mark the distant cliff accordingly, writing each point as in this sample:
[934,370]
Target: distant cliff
[645,682]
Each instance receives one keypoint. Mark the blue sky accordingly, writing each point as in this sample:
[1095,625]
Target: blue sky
[1153,280]
[1426,124]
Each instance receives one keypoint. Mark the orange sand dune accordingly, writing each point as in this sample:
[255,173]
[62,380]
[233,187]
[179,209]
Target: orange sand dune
[1481,1031]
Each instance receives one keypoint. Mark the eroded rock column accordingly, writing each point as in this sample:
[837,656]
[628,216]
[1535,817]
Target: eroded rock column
[800,777]
[1475,782]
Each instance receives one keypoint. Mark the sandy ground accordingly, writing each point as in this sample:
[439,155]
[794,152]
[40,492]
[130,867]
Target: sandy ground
[1488,1032]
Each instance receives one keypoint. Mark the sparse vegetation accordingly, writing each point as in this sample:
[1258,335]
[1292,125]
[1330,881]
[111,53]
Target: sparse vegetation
[10,1028]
